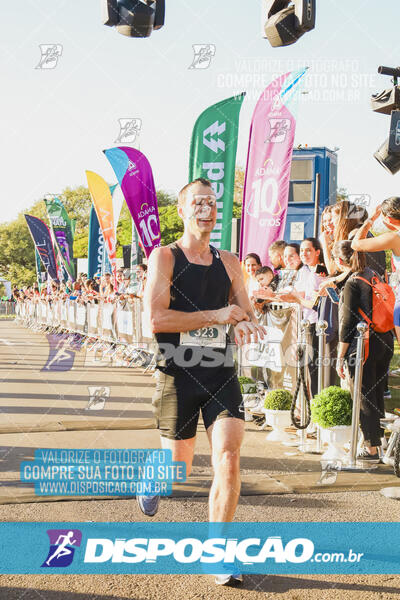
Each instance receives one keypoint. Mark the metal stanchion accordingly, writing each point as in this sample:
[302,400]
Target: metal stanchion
[353,464]
[304,328]
[321,333]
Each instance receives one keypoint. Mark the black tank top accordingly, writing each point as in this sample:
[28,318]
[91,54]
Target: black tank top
[193,288]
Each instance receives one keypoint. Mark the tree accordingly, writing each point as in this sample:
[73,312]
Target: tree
[341,194]
[239,186]
[17,253]
[171,224]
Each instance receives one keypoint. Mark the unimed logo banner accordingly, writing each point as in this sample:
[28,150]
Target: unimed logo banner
[196,548]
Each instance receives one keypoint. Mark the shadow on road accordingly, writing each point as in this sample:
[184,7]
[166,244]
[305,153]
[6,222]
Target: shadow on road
[13,593]
[278,584]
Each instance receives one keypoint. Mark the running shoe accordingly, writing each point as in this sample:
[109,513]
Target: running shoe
[229,579]
[366,456]
[148,504]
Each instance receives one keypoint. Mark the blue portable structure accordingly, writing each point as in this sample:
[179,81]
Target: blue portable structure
[313,185]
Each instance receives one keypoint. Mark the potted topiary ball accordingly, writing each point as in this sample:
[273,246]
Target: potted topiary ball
[248,387]
[332,410]
[277,406]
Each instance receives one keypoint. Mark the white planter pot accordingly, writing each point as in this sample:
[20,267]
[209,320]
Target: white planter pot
[336,437]
[278,420]
[249,402]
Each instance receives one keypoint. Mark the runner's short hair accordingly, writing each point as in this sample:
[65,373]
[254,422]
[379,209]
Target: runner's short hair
[183,193]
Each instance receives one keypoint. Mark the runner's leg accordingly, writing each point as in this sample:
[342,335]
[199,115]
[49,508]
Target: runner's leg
[225,437]
[182,450]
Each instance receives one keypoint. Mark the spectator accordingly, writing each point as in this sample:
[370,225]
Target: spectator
[327,225]
[252,263]
[344,218]
[306,293]
[120,285]
[275,253]
[355,295]
[292,262]
[390,210]
[106,287]
[142,278]
[264,276]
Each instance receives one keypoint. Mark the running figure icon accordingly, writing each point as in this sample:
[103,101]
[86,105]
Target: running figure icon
[62,549]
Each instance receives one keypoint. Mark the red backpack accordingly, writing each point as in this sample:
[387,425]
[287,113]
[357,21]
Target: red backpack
[383,301]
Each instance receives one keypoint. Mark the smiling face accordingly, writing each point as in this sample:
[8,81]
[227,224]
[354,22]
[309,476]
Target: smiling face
[328,222]
[251,266]
[291,258]
[276,258]
[199,209]
[308,254]
[335,216]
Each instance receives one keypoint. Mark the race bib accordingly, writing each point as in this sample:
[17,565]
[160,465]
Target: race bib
[213,336]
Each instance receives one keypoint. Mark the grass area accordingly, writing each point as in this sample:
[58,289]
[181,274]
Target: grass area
[394,382]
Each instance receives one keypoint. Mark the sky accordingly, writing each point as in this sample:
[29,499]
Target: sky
[54,123]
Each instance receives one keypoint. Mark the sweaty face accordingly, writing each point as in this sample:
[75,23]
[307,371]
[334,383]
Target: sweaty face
[200,209]
[291,258]
[251,266]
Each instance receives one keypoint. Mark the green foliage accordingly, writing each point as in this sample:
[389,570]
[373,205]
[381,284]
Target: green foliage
[165,199]
[239,186]
[341,194]
[278,400]
[124,229]
[17,255]
[333,406]
[247,385]
[171,224]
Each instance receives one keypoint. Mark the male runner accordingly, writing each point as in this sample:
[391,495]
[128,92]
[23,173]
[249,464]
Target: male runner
[193,292]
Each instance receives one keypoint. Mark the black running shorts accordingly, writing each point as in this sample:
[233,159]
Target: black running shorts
[179,399]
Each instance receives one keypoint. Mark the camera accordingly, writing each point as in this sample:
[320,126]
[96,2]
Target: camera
[388,103]
[134,18]
[287,20]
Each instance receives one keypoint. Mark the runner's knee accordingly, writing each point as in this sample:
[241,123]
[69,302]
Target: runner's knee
[226,461]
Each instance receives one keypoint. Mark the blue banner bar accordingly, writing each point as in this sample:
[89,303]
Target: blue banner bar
[196,548]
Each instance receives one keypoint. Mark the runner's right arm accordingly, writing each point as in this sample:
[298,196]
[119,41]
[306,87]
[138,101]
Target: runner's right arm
[157,300]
